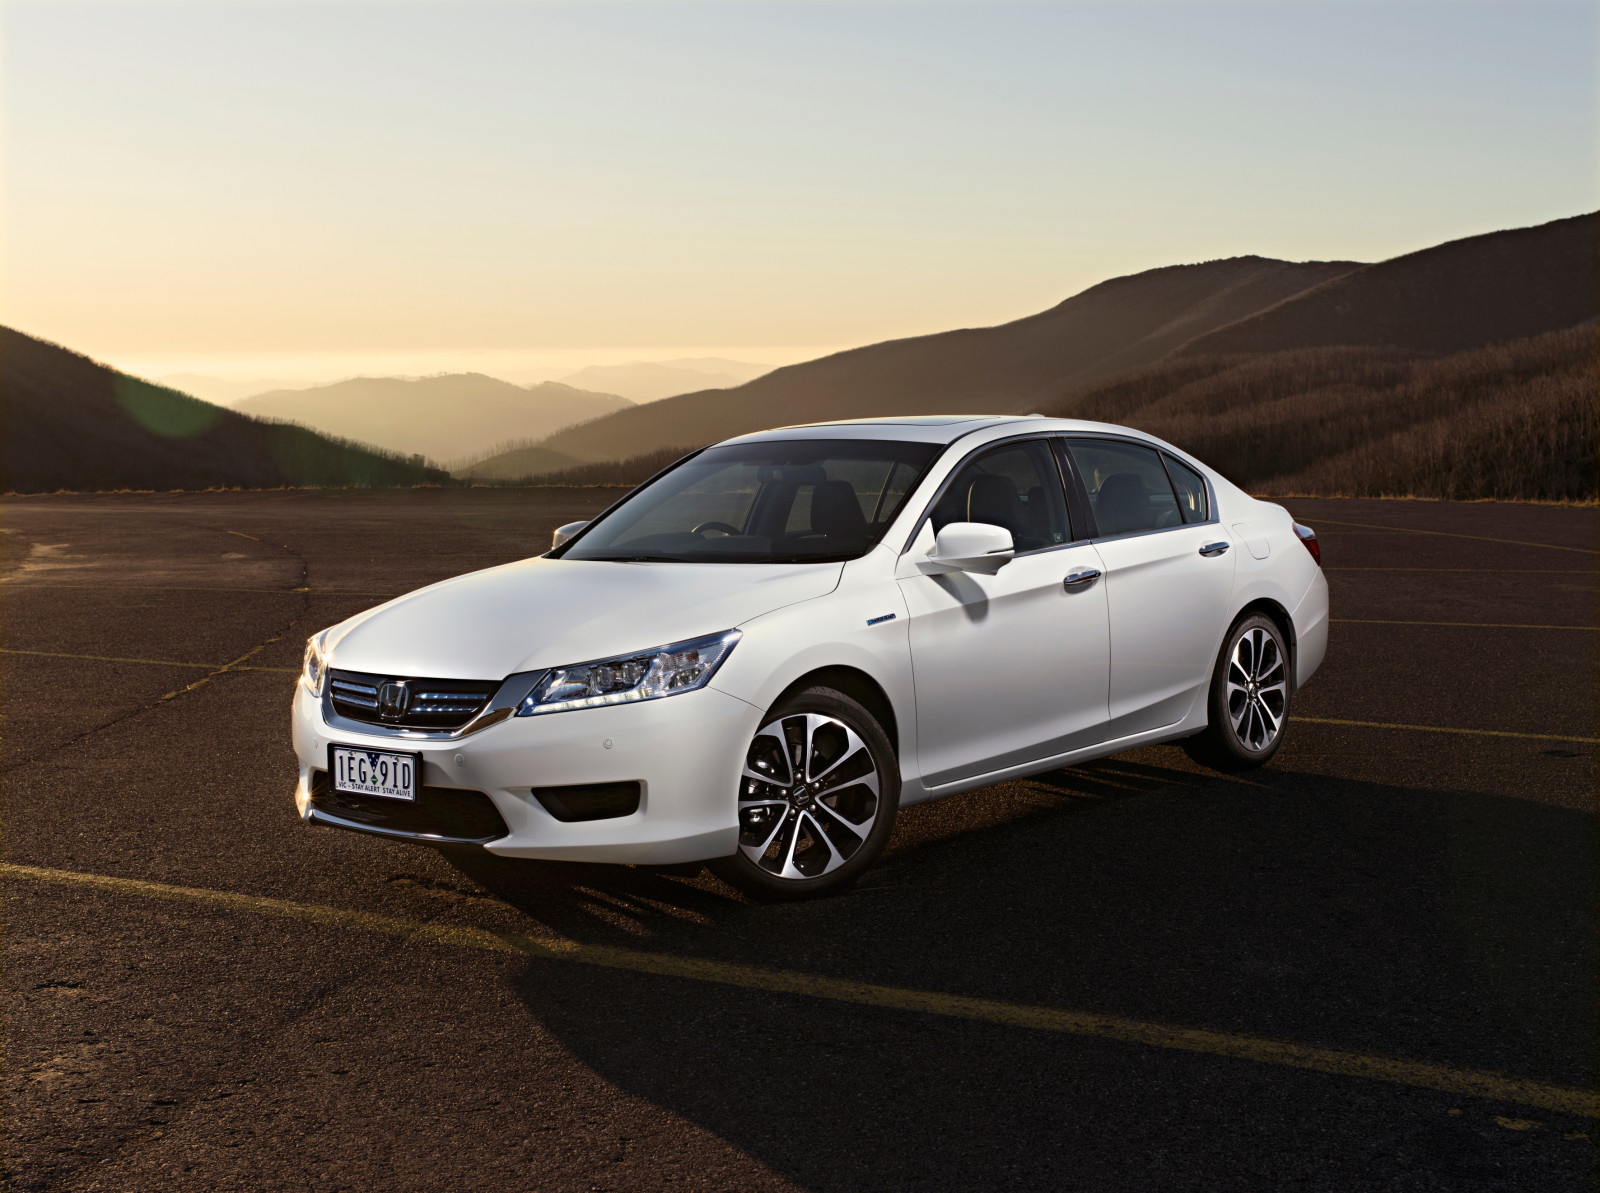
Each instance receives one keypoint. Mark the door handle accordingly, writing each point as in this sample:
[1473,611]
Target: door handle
[1081,579]
[1214,549]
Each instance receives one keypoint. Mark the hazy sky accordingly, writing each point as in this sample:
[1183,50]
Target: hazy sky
[239,186]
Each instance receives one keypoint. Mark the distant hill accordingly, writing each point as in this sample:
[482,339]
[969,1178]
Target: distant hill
[515,463]
[1458,295]
[1515,421]
[220,390]
[1112,326]
[445,418]
[70,423]
[619,473]
[647,381]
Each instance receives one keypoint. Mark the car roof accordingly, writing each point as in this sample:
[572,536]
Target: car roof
[930,428]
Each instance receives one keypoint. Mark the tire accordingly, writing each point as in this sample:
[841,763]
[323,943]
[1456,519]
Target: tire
[1248,704]
[817,799]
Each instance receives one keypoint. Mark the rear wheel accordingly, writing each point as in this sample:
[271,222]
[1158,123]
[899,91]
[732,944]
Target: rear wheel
[1249,698]
[817,799]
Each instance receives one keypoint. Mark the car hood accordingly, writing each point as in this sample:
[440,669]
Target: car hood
[541,613]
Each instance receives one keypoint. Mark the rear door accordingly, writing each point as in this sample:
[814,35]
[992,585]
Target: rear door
[1011,667]
[1169,577]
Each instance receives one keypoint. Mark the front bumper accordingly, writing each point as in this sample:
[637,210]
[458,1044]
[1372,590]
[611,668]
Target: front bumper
[685,751]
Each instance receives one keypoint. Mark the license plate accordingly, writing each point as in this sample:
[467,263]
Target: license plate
[374,772]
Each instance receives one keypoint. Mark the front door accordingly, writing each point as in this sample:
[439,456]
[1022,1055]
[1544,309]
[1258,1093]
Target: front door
[1168,601]
[1012,667]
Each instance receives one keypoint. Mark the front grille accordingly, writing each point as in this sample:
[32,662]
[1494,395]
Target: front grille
[436,812]
[432,703]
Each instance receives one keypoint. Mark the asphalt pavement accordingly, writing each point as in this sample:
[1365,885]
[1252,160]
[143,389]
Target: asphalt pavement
[1370,965]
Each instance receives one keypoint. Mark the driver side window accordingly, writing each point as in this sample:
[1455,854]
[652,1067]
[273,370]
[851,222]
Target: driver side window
[1016,486]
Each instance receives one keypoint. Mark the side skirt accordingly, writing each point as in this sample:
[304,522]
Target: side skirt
[912,790]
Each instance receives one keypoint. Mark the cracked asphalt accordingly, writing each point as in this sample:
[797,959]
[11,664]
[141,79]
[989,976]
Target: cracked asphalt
[1397,893]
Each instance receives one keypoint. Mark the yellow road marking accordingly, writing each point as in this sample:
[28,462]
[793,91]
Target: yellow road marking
[1588,741]
[243,535]
[1465,625]
[1452,535]
[1517,1124]
[101,658]
[1473,1083]
[119,588]
[1495,571]
[20,584]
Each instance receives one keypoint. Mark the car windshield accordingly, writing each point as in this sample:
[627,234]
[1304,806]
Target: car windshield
[790,501]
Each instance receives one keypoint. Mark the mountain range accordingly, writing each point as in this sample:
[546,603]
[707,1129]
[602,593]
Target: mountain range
[1465,369]
[1462,294]
[638,381]
[450,417]
[1115,325]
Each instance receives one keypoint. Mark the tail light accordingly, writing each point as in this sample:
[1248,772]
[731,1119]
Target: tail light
[1308,539]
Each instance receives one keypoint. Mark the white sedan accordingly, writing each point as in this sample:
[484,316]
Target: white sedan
[759,655]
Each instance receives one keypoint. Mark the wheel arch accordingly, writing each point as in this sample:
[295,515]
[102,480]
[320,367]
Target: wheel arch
[1279,616]
[856,684]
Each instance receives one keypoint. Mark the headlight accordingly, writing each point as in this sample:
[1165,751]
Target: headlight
[665,671]
[315,668]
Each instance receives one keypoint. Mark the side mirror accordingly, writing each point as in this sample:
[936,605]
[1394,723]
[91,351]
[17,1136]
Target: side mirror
[563,533]
[970,547]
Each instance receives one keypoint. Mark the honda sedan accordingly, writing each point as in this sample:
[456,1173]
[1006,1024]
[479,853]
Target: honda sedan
[758,656]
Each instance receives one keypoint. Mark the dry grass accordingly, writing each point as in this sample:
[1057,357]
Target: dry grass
[1513,421]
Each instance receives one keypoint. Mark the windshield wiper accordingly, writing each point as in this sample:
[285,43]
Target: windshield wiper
[632,559]
[713,557]
[835,558]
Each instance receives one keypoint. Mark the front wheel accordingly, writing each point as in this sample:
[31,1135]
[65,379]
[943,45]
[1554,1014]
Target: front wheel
[1249,698]
[817,799]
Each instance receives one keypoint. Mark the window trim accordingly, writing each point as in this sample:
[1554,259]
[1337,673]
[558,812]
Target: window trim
[1161,453]
[1078,494]
[1043,437]
[1167,461]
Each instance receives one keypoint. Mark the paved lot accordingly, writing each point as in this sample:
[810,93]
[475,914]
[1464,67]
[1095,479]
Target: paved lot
[1369,966]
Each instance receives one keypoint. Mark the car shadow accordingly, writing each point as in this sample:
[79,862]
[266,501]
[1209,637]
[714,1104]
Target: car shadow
[1453,928]
[623,904]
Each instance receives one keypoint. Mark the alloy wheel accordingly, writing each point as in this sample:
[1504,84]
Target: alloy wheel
[1257,689]
[808,796]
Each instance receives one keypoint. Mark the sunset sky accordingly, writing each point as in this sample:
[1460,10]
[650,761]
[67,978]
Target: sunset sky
[306,189]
